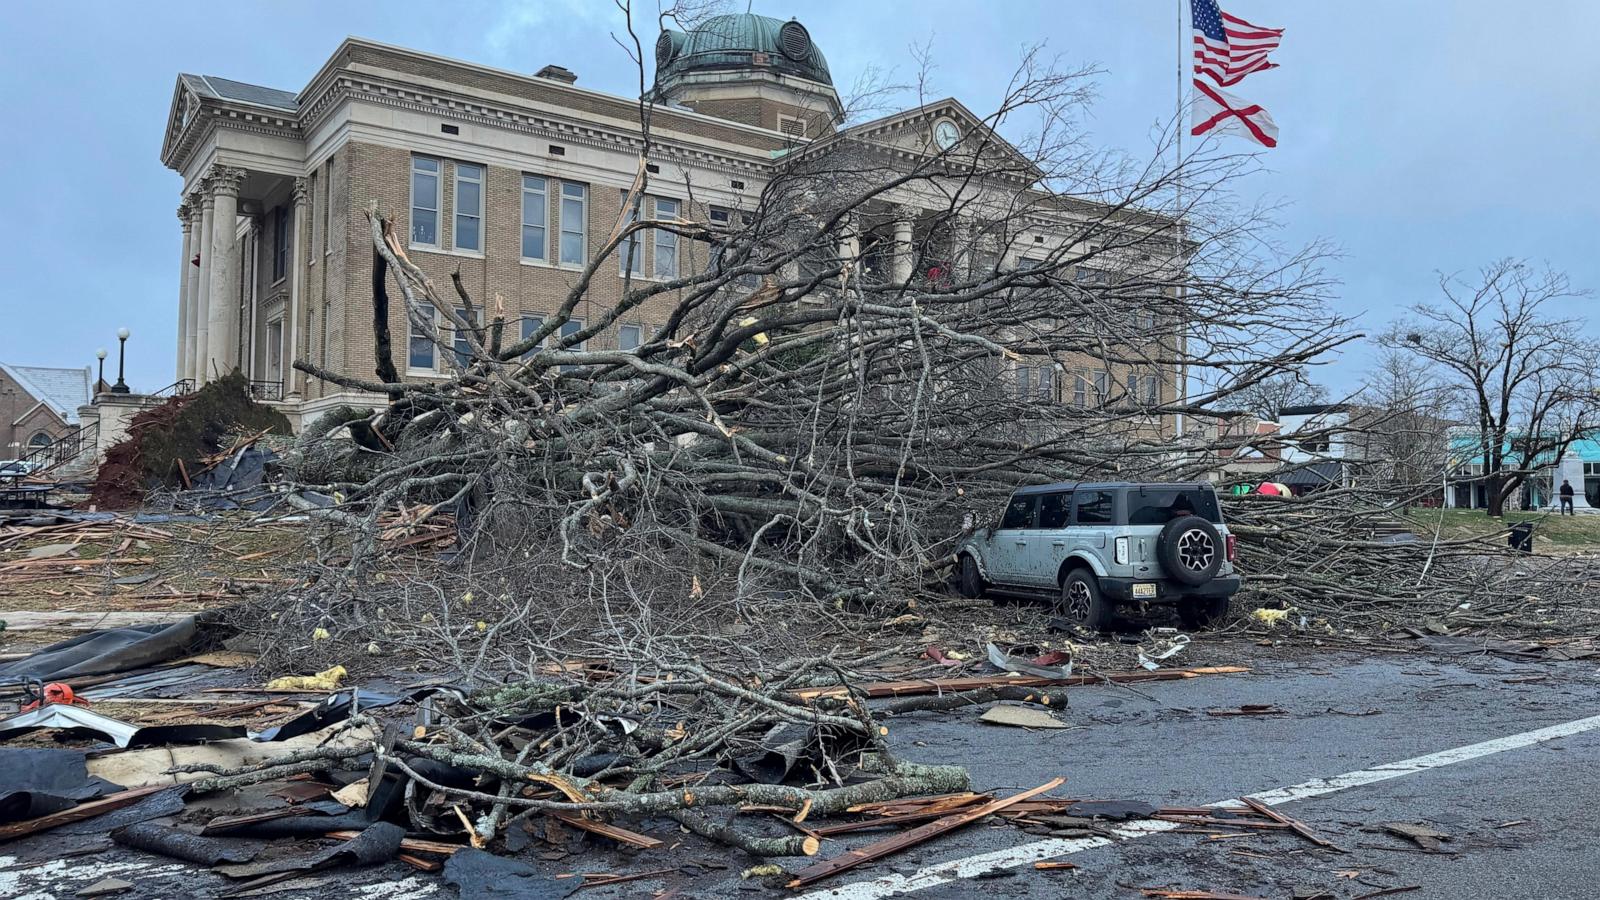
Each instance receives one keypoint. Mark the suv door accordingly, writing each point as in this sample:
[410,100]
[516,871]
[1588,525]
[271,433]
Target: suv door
[1049,544]
[1093,517]
[1010,544]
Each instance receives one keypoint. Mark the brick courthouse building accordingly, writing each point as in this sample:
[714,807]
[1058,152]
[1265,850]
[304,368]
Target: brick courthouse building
[515,180]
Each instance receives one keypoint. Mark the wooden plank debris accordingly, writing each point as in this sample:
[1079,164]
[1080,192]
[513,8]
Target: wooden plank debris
[78,813]
[1295,825]
[606,829]
[852,858]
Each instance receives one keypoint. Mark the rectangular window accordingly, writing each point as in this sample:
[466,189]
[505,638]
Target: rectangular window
[1080,390]
[424,201]
[421,350]
[723,219]
[1094,508]
[1158,506]
[274,348]
[630,256]
[629,337]
[1046,383]
[280,244]
[666,241]
[531,326]
[1152,389]
[462,345]
[567,330]
[574,223]
[535,212]
[327,210]
[469,207]
[1133,388]
[1022,382]
[1102,387]
[1019,513]
[316,197]
[1053,510]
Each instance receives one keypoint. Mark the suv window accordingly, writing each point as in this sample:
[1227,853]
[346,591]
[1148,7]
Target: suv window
[1053,509]
[1158,506]
[1019,514]
[1094,508]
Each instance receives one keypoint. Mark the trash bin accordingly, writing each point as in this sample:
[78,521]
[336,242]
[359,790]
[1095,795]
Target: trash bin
[1521,537]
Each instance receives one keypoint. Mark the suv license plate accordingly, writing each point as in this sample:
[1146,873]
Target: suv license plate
[1144,590]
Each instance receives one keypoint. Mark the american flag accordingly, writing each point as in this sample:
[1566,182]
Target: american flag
[1226,49]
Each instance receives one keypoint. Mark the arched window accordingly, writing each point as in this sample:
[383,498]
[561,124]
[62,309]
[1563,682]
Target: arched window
[40,440]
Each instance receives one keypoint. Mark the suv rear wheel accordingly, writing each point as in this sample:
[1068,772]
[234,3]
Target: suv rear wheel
[1190,550]
[1080,601]
[971,579]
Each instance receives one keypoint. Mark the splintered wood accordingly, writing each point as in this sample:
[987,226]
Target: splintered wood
[894,844]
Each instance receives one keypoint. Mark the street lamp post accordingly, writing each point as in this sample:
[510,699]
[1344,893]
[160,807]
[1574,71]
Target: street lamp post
[101,379]
[121,387]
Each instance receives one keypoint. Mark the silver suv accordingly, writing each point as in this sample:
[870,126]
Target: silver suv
[1096,546]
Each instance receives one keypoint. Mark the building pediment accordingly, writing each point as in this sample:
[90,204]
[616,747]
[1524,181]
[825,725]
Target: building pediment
[926,132]
[201,103]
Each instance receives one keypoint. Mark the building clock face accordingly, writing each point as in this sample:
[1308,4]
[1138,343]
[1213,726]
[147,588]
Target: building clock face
[945,134]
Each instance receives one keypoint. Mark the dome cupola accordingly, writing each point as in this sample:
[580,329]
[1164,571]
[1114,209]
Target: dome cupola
[749,68]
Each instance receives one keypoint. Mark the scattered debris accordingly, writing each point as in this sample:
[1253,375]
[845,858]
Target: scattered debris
[1249,709]
[326,680]
[1020,717]
[913,837]
[1165,644]
[106,887]
[1423,835]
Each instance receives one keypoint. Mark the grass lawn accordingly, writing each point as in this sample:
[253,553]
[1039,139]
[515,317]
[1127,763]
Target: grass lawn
[1550,531]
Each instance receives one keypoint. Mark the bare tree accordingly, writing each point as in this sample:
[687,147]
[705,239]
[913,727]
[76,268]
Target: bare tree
[1521,375]
[1400,428]
[1269,397]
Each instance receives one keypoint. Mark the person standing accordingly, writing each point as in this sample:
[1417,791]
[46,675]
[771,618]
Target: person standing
[1566,498]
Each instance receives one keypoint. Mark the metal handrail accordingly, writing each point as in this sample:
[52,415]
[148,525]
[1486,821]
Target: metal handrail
[176,389]
[64,450]
[266,390]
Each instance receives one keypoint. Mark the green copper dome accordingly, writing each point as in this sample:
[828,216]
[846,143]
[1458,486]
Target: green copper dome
[730,42]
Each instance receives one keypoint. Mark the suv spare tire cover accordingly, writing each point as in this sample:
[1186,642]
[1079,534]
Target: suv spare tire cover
[1190,550]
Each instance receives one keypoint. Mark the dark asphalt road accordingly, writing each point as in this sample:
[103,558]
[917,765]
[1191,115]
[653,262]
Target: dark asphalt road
[1155,742]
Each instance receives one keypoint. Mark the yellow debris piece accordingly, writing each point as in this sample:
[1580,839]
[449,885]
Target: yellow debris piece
[326,680]
[1270,617]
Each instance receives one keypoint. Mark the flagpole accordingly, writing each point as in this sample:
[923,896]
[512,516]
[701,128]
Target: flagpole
[1178,113]
[1180,377]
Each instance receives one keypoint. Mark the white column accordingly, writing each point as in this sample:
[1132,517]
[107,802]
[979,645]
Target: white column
[294,379]
[202,312]
[191,275]
[223,335]
[183,292]
[961,249]
[902,248]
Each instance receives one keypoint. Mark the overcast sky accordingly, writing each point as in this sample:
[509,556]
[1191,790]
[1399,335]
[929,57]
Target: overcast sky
[1418,136]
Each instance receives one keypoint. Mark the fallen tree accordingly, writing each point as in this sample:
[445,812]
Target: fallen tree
[824,400]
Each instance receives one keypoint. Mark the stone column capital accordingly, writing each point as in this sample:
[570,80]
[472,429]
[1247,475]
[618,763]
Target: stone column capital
[186,215]
[302,192]
[225,180]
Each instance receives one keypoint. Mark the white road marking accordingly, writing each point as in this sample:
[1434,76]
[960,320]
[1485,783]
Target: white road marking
[1027,854]
[57,878]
